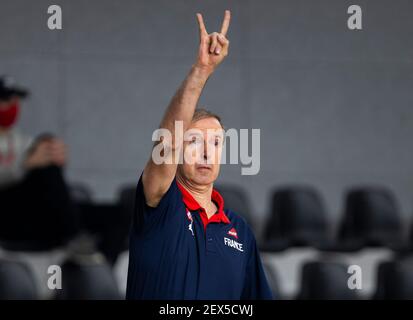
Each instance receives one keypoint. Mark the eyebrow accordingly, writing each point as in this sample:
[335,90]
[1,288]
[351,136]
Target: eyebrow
[193,134]
[216,133]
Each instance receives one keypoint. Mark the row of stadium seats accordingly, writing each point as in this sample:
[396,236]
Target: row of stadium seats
[88,278]
[328,280]
[298,217]
[320,280]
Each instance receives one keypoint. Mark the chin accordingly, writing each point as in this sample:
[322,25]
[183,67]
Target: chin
[204,179]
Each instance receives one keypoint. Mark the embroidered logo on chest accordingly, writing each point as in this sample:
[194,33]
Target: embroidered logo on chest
[233,233]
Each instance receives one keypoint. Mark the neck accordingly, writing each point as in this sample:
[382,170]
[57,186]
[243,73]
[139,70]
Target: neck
[201,193]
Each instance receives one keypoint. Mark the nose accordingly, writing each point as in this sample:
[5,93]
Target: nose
[205,150]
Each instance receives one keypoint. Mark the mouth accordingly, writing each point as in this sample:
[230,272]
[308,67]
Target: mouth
[204,167]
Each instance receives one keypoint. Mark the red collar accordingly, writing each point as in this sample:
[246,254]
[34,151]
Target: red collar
[192,205]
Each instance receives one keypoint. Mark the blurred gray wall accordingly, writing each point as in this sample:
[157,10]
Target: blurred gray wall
[335,107]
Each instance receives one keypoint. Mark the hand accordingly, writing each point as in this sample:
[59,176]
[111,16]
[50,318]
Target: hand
[213,48]
[58,154]
[38,156]
[45,153]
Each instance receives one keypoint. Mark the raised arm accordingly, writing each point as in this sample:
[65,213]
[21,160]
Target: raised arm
[213,48]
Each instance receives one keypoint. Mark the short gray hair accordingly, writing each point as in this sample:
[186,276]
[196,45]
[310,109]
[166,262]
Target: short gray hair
[201,113]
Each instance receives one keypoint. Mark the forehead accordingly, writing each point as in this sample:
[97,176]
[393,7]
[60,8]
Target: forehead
[206,124]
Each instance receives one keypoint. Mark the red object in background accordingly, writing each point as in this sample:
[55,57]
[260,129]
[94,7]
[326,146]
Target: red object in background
[8,116]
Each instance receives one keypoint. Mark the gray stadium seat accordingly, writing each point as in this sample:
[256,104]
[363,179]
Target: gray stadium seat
[325,281]
[395,280]
[371,219]
[87,279]
[16,281]
[297,218]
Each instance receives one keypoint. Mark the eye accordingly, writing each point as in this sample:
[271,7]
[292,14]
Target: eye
[194,140]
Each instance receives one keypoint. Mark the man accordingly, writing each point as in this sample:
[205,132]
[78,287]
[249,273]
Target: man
[184,244]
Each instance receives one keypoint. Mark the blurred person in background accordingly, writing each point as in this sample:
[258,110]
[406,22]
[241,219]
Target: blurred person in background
[36,208]
[35,205]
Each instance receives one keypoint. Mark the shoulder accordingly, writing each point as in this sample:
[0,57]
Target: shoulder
[170,203]
[172,188]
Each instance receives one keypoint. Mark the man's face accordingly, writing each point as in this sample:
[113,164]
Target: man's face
[202,152]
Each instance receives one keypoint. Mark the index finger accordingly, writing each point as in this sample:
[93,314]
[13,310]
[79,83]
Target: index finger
[225,23]
[202,29]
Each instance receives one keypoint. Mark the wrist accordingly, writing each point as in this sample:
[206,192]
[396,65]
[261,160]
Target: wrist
[202,71]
